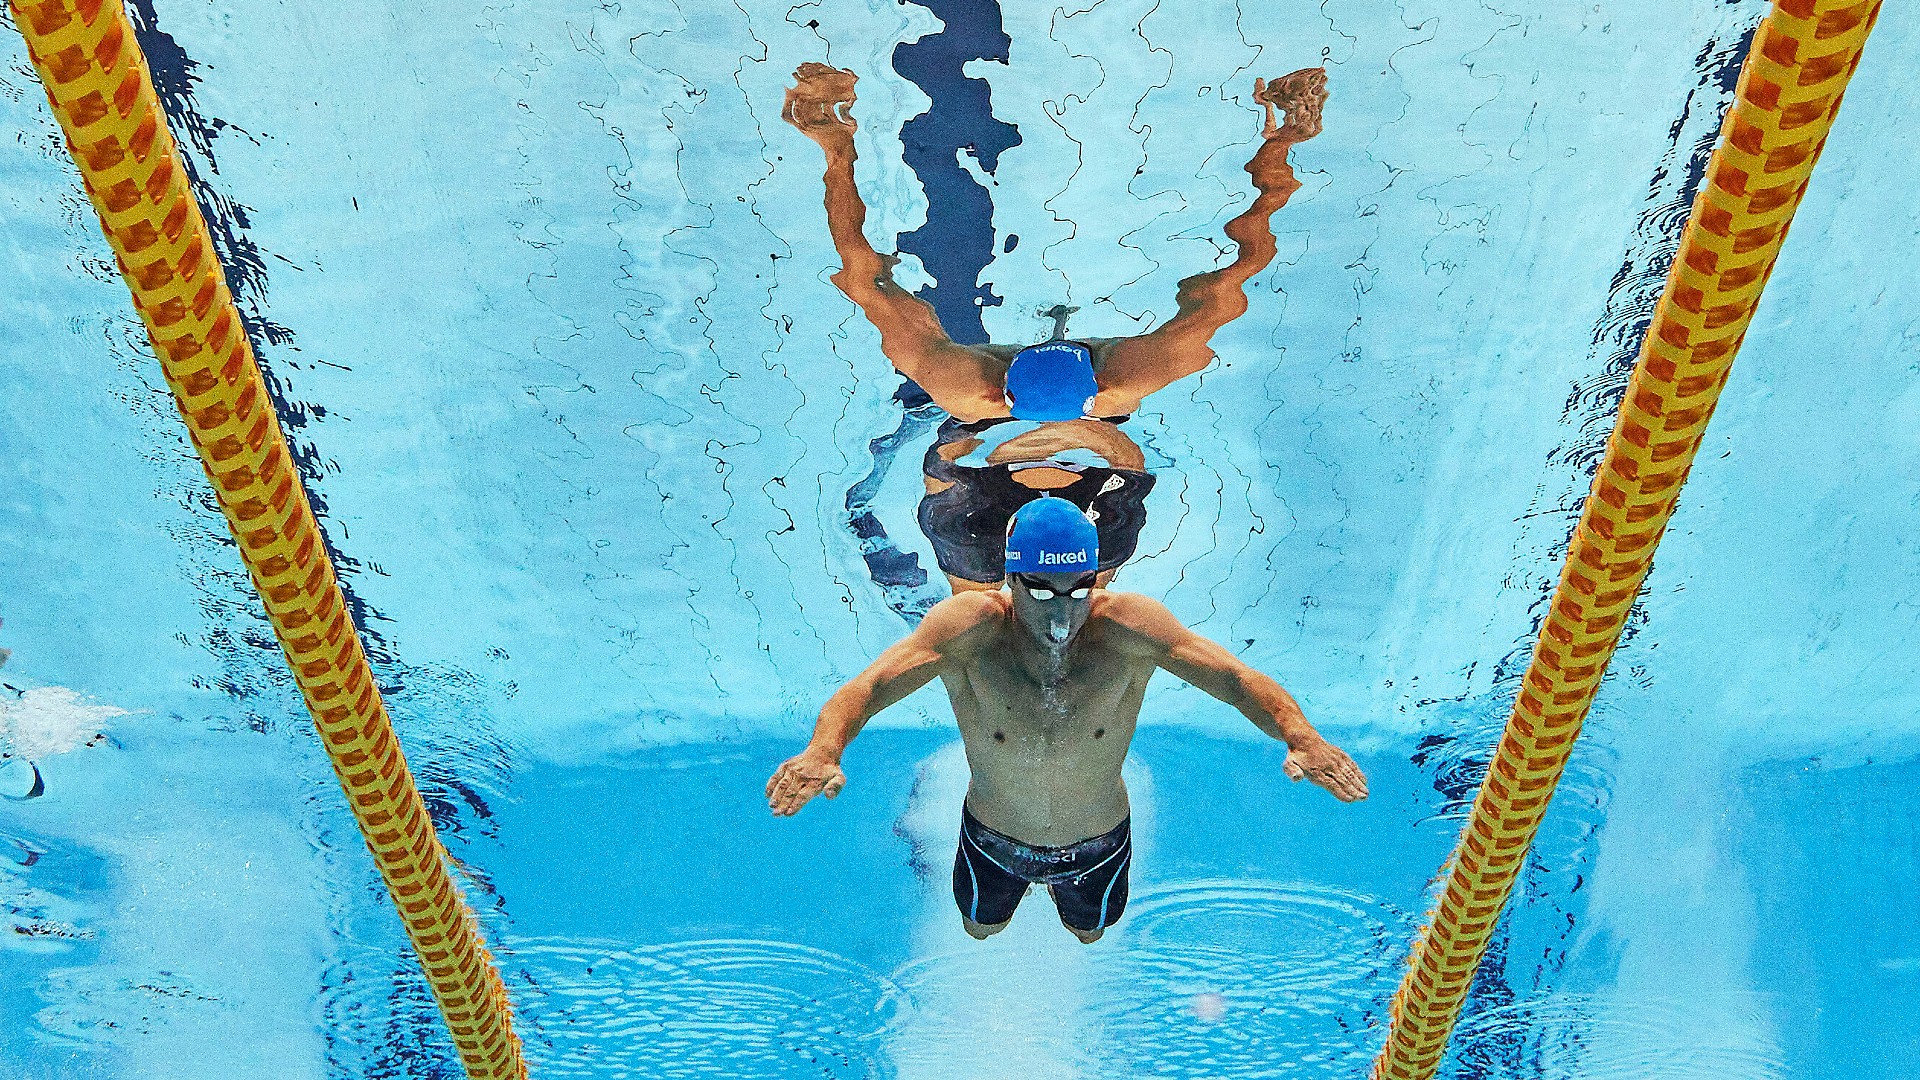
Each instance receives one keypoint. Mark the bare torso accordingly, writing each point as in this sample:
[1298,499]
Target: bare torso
[1044,739]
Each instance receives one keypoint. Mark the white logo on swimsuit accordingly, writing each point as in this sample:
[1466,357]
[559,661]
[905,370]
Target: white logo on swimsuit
[1053,558]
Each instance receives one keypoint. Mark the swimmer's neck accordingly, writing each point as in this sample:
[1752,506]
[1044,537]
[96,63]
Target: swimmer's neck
[1037,657]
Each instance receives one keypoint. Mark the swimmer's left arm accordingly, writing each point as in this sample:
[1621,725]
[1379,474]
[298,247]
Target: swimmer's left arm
[1208,665]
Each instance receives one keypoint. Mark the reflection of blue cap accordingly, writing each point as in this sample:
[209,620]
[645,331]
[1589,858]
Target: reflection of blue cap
[1050,535]
[1053,381]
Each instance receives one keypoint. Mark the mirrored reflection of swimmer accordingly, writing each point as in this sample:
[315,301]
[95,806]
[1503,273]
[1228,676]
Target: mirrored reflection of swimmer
[1026,422]
[977,478]
[1046,680]
[1058,379]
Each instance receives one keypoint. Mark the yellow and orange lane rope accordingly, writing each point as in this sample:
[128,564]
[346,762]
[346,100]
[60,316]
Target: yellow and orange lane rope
[103,97]
[1789,91]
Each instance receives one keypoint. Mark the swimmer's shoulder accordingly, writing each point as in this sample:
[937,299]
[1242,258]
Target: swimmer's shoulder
[1099,348]
[1135,622]
[1127,608]
[965,620]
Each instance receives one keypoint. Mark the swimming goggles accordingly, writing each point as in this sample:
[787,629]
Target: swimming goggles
[1039,589]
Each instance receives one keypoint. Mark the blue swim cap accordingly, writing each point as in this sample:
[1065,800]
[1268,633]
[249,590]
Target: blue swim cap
[1051,381]
[1050,535]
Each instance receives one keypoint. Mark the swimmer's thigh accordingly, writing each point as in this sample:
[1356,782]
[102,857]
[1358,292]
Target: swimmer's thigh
[969,536]
[1093,900]
[1120,514]
[984,892]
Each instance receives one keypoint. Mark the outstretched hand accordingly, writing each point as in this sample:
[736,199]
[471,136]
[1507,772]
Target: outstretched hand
[821,102]
[1330,767]
[800,778]
[1301,96]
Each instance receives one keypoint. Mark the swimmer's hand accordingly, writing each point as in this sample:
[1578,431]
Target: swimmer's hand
[1329,766]
[1301,96]
[800,778]
[821,103]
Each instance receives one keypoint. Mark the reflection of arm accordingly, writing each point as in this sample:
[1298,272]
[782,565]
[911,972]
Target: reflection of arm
[862,272]
[1136,367]
[910,333]
[1209,666]
[1109,442]
[951,627]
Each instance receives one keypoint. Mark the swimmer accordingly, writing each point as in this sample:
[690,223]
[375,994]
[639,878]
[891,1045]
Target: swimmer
[1046,680]
[1057,379]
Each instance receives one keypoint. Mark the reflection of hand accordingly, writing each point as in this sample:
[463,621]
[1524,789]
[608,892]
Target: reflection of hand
[820,104]
[800,778]
[1329,766]
[1301,96]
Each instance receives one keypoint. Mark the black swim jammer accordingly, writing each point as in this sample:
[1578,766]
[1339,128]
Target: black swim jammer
[967,522]
[992,872]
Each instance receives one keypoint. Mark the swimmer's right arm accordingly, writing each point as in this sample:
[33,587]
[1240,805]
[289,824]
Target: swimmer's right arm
[952,627]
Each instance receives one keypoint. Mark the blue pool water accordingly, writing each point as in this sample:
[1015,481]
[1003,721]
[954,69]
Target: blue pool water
[622,488]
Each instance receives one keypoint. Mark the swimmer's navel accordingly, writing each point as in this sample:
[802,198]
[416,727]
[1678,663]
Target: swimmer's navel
[1099,731]
[999,736]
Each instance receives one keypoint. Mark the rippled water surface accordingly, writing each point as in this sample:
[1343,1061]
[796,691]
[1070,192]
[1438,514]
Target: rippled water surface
[621,487]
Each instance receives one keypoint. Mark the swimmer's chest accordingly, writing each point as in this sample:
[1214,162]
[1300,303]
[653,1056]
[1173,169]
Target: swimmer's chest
[1097,698]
